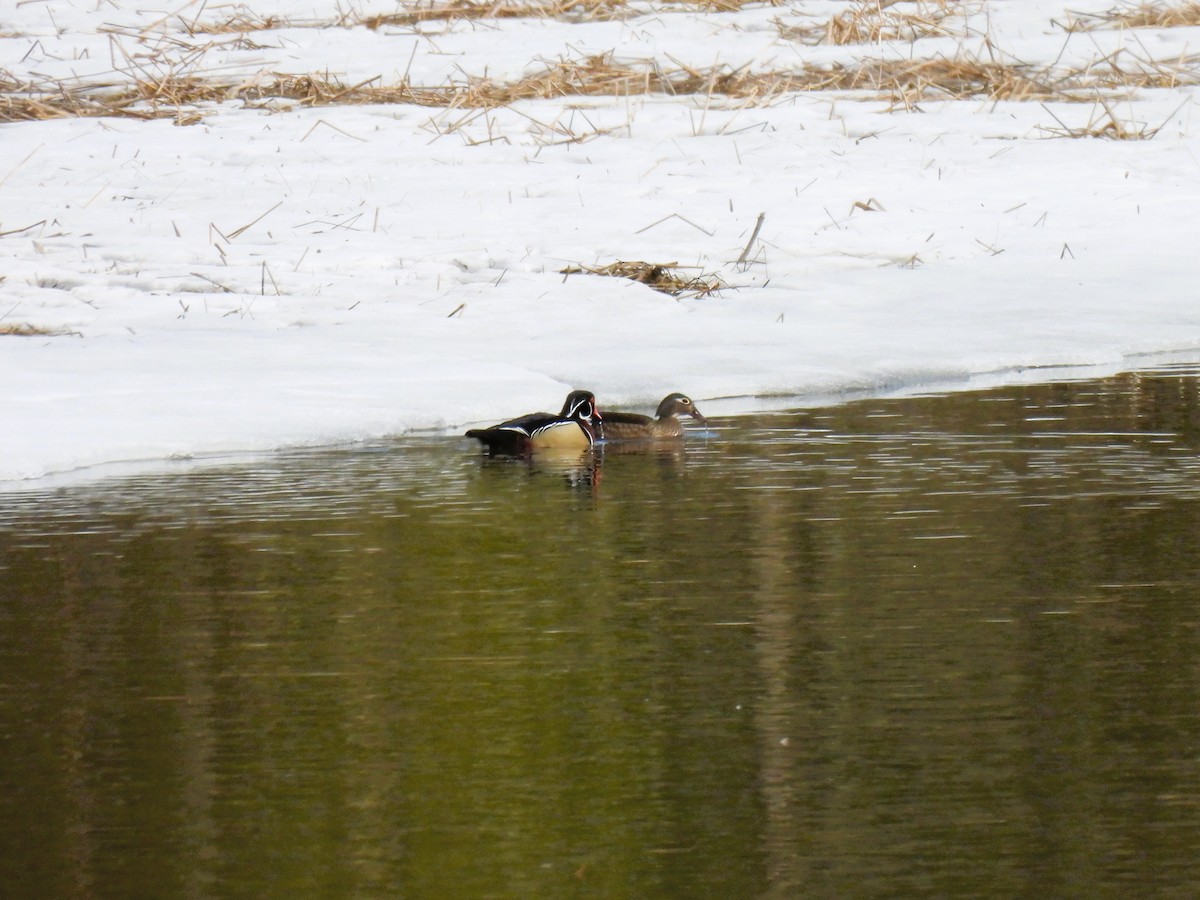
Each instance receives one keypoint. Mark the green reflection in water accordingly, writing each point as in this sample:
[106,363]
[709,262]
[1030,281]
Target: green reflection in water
[942,645]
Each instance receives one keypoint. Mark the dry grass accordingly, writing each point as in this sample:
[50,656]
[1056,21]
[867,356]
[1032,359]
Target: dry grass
[23,329]
[168,97]
[1105,123]
[180,93]
[656,275]
[573,10]
[177,97]
[951,77]
[873,22]
[724,5]
[1147,15]
[244,20]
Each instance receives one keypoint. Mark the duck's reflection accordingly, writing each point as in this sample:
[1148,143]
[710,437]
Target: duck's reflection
[584,469]
[578,468]
[670,451]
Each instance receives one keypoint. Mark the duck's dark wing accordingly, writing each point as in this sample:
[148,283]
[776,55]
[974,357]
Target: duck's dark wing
[528,423]
[515,435]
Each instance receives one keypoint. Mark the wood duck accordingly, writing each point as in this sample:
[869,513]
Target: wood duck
[619,426]
[577,427]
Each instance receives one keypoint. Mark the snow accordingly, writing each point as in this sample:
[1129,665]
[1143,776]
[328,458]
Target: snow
[277,275]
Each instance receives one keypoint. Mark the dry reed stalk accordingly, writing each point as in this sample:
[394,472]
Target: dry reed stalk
[465,9]
[1107,125]
[724,5]
[24,329]
[655,275]
[243,20]
[955,78]
[1112,73]
[905,81]
[873,22]
[1147,15]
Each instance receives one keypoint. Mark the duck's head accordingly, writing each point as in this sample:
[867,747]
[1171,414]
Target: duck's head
[581,407]
[679,405]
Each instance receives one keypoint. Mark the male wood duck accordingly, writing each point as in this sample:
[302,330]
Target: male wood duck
[577,427]
[619,426]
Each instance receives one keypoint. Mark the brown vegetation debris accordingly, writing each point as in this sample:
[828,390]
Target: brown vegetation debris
[466,9]
[1147,15]
[905,80]
[656,275]
[873,22]
[953,77]
[24,329]
[571,10]
[602,75]
[242,20]
[1106,124]
[725,5]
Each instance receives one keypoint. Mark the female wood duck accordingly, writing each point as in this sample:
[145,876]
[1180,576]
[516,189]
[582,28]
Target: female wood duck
[577,427]
[619,426]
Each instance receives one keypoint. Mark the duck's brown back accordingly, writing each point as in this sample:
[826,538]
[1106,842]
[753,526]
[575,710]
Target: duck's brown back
[619,426]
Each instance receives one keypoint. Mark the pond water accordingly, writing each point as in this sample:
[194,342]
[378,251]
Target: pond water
[941,645]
